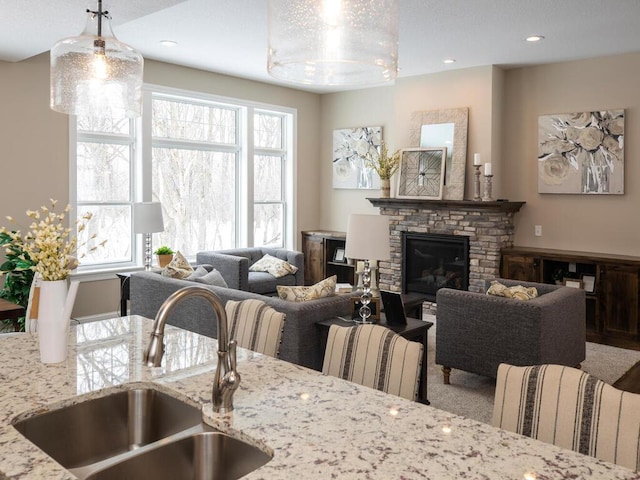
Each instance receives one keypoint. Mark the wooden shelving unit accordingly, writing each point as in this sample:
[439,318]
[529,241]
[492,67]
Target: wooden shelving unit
[613,306]
[319,248]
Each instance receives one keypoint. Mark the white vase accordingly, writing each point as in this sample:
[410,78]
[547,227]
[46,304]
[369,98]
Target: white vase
[53,327]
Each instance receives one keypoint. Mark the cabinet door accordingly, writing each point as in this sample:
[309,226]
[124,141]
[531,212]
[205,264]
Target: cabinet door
[619,300]
[520,267]
[313,249]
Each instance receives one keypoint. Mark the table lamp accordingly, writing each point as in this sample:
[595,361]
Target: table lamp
[147,219]
[367,239]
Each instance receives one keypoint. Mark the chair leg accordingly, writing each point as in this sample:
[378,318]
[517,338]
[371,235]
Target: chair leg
[446,373]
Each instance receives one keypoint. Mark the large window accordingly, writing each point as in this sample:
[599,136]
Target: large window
[221,169]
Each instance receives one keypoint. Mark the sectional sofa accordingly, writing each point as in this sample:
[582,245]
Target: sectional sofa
[300,338]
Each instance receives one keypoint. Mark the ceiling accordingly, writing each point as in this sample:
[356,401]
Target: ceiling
[230,36]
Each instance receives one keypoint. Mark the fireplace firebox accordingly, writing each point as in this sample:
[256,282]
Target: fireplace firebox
[434,261]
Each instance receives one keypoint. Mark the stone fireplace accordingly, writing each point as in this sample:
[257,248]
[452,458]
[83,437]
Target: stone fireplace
[489,227]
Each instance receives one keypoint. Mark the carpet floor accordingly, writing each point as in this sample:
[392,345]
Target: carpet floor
[471,395]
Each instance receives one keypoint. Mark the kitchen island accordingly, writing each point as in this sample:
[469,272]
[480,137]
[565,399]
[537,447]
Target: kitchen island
[315,426]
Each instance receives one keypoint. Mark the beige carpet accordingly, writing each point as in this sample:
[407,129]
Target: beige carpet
[471,395]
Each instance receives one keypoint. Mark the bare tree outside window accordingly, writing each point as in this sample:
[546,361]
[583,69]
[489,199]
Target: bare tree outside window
[191,160]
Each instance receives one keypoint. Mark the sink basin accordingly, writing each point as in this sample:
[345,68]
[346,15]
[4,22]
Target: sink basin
[202,456]
[101,428]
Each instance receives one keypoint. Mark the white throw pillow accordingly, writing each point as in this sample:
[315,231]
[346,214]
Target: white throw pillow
[324,288]
[275,266]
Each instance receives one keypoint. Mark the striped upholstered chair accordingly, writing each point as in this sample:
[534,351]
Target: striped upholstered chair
[571,409]
[255,325]
[375,357]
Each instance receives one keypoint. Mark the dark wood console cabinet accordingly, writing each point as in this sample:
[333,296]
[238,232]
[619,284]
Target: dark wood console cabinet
[613,315]
[319,248]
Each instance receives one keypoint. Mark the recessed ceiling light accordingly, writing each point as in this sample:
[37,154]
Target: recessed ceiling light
[534,38]
[168,43]
[449,60]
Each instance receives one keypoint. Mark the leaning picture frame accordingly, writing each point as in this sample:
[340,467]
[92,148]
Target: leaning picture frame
[421,173]
[589,283]
[338,255]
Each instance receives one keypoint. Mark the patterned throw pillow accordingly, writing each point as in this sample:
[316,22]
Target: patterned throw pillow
[178,268]
[517,291]
[324,288]
[275,266]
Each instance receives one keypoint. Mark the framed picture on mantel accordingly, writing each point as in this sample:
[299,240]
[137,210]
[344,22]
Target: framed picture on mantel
[422,173]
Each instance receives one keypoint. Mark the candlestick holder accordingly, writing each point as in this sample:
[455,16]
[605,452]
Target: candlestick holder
[487,189]
[476,184]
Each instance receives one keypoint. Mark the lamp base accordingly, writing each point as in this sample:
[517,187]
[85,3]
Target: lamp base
[362,321]
[365,298]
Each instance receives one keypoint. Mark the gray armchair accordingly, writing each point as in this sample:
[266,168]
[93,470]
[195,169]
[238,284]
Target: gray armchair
[234,265]
[476,332]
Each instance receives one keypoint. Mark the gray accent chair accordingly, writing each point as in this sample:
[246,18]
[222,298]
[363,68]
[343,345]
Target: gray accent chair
[234,266]
[300,337]
[476,332]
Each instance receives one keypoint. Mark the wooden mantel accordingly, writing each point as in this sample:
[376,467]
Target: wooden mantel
[495,206]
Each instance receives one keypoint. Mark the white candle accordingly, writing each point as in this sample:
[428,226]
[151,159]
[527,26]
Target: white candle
[476,159]
[487,169]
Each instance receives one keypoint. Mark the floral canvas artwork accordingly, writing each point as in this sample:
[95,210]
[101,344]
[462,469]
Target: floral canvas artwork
[351,146]
[581,153]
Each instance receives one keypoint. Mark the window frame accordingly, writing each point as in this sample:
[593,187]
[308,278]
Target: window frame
[141,168]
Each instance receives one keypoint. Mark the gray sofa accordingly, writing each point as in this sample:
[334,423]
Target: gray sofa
[234,266]
[476,332]
[300,338]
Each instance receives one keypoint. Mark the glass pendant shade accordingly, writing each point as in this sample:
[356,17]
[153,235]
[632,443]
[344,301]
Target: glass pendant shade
[96,75]
[333,42]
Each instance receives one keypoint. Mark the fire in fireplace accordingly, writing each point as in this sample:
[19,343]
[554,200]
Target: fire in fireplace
[433,261]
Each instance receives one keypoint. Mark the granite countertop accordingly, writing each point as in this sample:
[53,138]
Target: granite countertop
[315,426]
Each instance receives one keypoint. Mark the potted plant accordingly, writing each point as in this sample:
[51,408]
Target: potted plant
[18,274]
[165,255]
[385,166]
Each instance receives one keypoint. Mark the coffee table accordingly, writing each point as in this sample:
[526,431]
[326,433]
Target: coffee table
[415,330]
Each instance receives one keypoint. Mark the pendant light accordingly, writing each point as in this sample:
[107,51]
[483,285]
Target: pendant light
[333,42]
[94,74]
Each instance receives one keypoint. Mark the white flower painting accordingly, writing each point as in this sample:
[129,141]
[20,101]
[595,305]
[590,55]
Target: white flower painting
[350,148]
[581,153]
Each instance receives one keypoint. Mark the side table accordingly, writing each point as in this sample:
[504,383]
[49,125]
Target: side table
[124,291]
[11,311]
[415,330]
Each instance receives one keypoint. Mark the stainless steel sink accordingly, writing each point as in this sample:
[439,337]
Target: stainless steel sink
[202,456]
[139,433]
[90,431]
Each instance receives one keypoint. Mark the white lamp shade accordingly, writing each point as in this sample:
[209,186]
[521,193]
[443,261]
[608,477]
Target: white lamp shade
[147,217]
[96,76]
[333,42]
[368,237]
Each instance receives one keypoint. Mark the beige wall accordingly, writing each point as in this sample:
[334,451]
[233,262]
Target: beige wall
[391,107]
[34,146]
[591,223]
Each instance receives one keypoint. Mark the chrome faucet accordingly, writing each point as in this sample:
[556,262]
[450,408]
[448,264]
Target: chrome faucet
[227,378]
